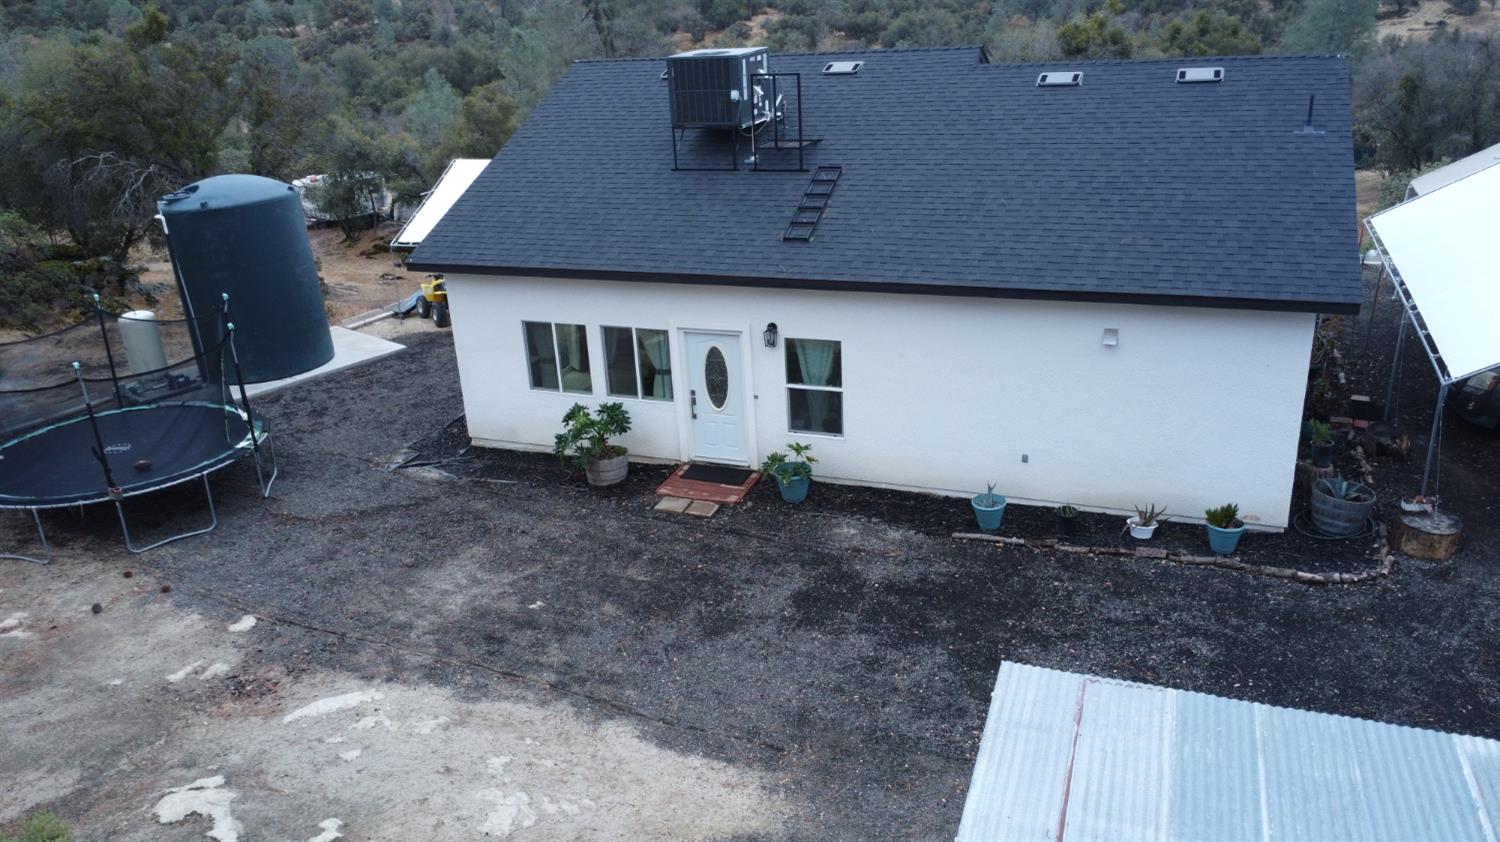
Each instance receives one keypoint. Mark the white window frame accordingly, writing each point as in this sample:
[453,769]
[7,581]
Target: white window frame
[557,357]
[635,361]
[787,349]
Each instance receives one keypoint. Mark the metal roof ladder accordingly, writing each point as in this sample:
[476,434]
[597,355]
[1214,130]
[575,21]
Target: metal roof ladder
[814,201]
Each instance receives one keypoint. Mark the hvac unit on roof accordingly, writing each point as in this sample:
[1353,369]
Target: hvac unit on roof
[1060,79]
[714,88]
[1189,75]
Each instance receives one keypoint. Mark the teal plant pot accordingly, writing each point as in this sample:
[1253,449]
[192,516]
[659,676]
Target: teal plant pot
[793,490]
[989,517]
[1224,541]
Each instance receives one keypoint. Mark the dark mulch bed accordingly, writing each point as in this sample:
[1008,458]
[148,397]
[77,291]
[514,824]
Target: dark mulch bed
[449,449]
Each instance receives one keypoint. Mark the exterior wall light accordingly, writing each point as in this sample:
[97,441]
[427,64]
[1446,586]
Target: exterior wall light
[769,335]
[1111,337]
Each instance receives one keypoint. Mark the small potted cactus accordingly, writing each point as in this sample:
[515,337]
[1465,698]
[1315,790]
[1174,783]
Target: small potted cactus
[1143,524]
[1224,528]
[1067,519]
[989,509]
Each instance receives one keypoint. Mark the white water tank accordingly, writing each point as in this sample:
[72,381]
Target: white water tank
[141,336]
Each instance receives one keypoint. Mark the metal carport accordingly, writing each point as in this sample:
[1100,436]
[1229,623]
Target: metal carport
[1438,250]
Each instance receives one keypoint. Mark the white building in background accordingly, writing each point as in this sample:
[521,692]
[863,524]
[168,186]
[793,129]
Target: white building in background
[1093,283]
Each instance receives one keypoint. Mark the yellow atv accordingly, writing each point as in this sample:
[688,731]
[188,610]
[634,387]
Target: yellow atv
[431,301]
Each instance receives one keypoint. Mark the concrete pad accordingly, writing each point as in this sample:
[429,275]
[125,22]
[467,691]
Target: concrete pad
[702,508]
[672,505]
[350,348]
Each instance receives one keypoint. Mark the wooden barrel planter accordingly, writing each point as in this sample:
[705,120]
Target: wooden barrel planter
[1344,516]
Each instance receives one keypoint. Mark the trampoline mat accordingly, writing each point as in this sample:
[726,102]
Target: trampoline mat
[56,465]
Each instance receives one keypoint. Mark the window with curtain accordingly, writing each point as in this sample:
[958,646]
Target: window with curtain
[558,357]
[639,363]
[815,386]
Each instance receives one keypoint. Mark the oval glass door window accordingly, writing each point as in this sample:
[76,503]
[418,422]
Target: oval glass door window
[716,377]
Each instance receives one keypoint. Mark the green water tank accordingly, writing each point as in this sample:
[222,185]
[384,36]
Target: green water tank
[247,236]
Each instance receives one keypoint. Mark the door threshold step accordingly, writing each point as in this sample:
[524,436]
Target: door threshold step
[678,485]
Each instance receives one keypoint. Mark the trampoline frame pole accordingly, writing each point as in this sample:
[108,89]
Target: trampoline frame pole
[46,547]
[88,405]
[109,354]
[239,379]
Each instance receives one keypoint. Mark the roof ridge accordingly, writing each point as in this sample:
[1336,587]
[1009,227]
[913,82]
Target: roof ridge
[1093,62]
[852,51]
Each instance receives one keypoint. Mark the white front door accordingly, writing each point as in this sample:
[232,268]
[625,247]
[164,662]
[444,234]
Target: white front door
[716,398]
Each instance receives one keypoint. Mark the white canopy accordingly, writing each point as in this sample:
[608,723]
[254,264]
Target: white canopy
[1440,250]
[1442,176]
[456,179]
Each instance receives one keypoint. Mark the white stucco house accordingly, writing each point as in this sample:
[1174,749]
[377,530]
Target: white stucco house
[1092,282]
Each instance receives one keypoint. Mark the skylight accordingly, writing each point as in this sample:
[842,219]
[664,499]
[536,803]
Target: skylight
[1060,79]
[1187,75]
[842,68]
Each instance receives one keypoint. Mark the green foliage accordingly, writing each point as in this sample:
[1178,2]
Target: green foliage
[790,468]
[1320,432]
[1096,36]
[1226,516]
[1067,511]
[1346,489]
[1416,102]
[1393,188]
[989,499]
[40,827]
[1330,26]
[586,435]
[1208,34]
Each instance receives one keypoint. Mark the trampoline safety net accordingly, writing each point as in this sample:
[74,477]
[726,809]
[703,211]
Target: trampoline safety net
[116,406]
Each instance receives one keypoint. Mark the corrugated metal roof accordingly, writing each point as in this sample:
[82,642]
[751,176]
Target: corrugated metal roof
[1076,757]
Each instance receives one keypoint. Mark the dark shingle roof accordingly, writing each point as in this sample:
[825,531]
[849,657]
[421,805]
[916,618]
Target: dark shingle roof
[960,177]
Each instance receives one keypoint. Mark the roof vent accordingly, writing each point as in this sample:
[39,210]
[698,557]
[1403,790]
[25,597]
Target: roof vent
[1060,79]
[1187,75]
[842,68]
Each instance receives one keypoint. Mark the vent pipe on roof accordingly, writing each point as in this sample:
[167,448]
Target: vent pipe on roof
[1307,127]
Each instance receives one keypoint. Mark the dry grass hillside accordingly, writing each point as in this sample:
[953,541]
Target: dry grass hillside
[1432,16]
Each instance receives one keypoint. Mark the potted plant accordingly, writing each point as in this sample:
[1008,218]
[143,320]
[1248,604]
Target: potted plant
[793,474]
[1143,524]
[989,509]
[585,442]
[1224,528]
[1067,519]
[1321,434]
[1341,507]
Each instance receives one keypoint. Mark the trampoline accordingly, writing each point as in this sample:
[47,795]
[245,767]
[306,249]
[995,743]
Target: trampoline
[116,435]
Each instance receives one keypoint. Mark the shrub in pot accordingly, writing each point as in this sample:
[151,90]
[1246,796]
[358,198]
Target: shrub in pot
[1143,524]
[1067,519]
[989,509]
[1341,507]
[1224,528]
[1321,435]
[585,442]
[793,474]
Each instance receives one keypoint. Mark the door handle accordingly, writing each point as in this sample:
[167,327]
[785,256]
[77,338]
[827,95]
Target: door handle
[693,402]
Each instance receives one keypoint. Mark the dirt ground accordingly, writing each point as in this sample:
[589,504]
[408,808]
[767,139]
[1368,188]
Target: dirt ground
[1433,16]
[484,647]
